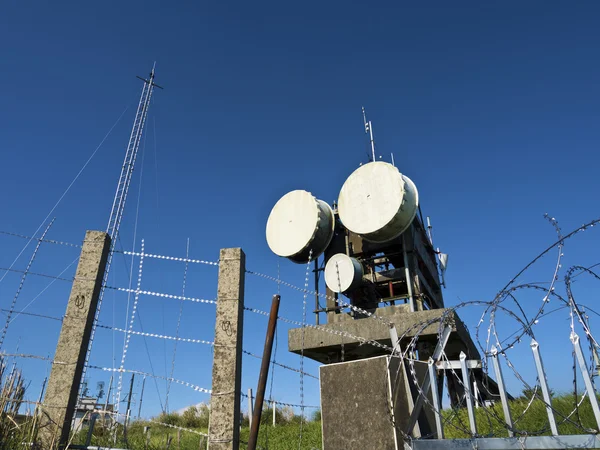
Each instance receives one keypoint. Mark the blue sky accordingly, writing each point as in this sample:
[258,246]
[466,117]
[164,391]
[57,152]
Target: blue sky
[492,111]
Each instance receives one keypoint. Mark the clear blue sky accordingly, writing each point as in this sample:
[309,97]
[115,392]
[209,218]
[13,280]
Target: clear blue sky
[492,110]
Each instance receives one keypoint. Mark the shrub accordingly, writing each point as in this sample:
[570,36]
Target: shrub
[316,416]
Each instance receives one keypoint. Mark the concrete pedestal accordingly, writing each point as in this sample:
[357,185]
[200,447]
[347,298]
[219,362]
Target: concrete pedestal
[365,404]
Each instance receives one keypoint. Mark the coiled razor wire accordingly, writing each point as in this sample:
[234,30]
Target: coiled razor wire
[526,328]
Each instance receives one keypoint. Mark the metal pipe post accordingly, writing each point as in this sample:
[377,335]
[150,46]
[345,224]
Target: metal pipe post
[589,385]
[435,396]
[141,397]
[468,394]
[502,391]
[88,439]
[437,354]
[108,393]
[250,407]
[535,347]
[128,407]
[264,373]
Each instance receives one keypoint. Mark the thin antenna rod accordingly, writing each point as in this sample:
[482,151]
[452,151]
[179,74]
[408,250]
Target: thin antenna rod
[369,129]
[393,163]
[429,228]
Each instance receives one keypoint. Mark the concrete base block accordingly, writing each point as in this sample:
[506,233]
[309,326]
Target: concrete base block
[365,404]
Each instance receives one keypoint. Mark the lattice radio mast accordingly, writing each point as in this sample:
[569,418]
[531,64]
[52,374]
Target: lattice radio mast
[118,206]
[116,213]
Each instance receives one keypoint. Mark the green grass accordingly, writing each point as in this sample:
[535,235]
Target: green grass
[280,437]
[287,436]
[490,421]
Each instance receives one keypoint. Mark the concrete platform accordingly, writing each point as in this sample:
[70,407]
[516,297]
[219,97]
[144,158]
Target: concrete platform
[328,348]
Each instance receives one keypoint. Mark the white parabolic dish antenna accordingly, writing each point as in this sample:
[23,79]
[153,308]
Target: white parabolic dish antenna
[343,273]
[299,223]
[377,202]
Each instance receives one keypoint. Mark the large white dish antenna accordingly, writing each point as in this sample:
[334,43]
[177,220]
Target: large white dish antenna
[377,202]
[299,223]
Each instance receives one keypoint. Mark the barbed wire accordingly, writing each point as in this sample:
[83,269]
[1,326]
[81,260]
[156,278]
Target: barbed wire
[325,329]
[281,365]
[54,277]
[43,316]
[21,283]
[163,295]
[488,334]
[169,258]
[42,239]
[130,327]
[526,327]
[307,272]
[291,405]
[150,375]
[181,303]
[338,301]
[154,421]
[158,336]
[31,356]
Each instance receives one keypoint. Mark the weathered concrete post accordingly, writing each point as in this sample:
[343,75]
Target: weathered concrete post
[61,396]
[223,429]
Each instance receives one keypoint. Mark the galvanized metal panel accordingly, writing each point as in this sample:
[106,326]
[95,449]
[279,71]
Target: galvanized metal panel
[531,442]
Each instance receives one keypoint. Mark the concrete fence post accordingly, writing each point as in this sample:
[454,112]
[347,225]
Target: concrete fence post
[224,429]
[67,367]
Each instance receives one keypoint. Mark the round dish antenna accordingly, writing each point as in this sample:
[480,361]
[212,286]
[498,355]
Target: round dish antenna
[299,223]
[377,202]
[343,273]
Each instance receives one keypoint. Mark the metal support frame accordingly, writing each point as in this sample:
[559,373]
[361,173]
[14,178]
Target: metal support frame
[555,441]
[394,338]
[436,399]
[502,391]
[468,394]
[535,347]
[511,443]
[586,378]
[455,365]
[437,354]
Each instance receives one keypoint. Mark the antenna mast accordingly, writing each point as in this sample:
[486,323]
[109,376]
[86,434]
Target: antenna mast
[118,206]
[116,213]
[369,129]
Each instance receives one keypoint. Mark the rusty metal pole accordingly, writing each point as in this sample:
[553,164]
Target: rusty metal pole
[264,374]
